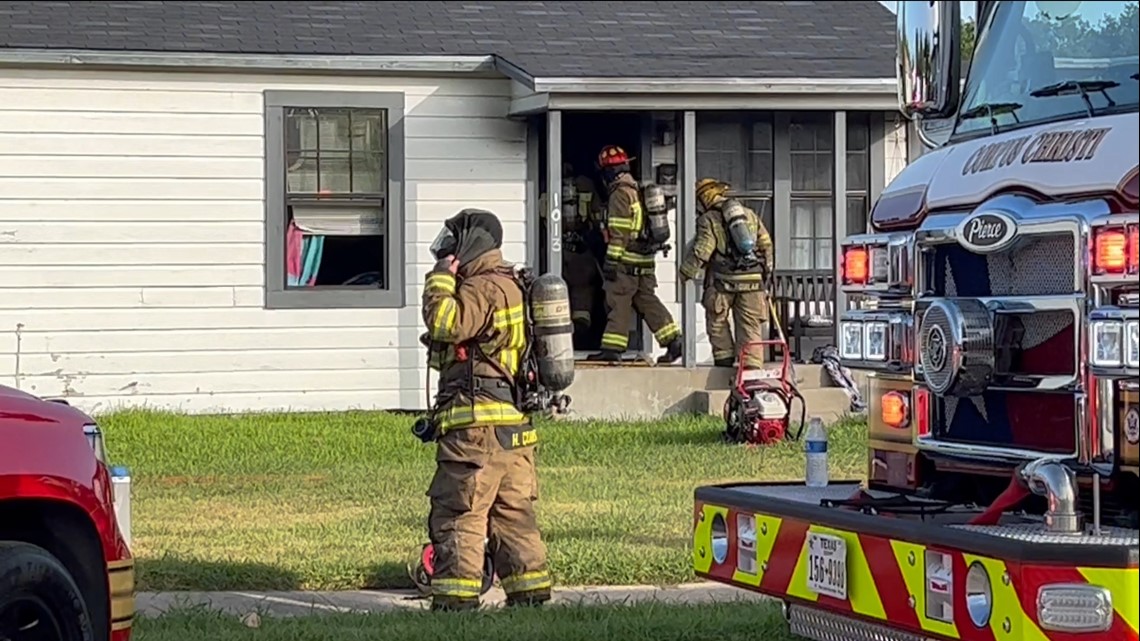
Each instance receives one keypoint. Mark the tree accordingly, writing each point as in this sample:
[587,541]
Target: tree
[969,35]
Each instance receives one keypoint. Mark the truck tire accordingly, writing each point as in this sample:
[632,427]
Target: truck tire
[38,598]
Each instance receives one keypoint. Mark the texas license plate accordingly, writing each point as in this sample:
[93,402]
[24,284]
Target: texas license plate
[827,565]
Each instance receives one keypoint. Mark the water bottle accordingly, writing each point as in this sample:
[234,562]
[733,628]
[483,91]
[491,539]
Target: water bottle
[815,446]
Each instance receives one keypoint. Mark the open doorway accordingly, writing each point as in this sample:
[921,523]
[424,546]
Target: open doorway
[584,134]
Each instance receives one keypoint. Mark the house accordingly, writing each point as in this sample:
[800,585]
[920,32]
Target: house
[227,206]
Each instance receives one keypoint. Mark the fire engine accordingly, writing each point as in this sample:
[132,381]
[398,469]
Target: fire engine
[999,289]
[66,572]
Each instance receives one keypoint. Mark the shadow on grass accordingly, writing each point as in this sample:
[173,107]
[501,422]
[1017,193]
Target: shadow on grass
[181,574]
[388,576]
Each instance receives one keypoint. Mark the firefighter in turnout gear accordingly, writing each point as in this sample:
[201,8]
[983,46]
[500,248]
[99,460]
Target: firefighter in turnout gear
[629,266]
[734,249]
[582,210]
[474,311]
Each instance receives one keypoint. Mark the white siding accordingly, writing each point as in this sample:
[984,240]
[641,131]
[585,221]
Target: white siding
[131,240]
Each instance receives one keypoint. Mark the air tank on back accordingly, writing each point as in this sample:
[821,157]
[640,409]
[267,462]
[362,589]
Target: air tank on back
[736,219]
[656,210]
[553,332]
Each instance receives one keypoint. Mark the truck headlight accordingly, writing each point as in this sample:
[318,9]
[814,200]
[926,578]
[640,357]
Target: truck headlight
[851,341]
[875,341]
[95,438]
[1074,608]
[1108,343]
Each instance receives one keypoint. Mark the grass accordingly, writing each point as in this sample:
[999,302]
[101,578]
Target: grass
[652,622]
[336,501]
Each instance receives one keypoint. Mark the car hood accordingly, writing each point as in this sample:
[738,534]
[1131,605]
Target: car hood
[17,405]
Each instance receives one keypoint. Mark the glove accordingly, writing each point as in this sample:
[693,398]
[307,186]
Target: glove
[609,270]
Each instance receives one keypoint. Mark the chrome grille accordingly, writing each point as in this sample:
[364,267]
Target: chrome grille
[1036,266]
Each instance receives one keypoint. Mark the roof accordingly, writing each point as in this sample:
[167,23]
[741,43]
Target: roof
[818,40]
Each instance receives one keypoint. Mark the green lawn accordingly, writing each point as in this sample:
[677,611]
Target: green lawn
[336,501]
[653,622]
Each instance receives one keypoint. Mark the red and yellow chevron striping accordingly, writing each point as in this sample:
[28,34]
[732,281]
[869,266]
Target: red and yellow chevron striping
[887,582]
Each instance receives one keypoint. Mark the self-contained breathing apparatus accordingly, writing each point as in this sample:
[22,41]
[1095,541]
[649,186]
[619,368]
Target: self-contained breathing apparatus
[743,255]
[655,231]
[546,366]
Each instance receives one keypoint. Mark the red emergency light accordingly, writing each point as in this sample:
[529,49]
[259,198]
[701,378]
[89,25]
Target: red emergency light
[1116,250]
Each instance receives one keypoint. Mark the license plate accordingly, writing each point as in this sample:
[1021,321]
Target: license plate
[827,565]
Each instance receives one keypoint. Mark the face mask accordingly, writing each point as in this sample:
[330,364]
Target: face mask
[445,244]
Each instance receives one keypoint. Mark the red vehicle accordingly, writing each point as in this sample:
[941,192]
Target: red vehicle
[66,573]
[999,330]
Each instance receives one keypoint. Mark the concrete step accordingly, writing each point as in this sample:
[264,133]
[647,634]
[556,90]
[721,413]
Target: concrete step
[830,404]
[639,390]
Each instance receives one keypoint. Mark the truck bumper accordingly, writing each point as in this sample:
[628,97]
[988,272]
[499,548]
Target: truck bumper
[909,579]
[121,581]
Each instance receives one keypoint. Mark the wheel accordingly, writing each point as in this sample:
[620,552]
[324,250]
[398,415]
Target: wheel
[39,600]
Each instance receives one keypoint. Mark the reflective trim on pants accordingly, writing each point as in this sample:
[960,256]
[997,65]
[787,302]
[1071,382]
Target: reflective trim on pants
[527,582]
[459,588]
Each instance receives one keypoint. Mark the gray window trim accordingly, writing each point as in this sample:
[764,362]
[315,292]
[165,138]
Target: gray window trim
[276,296]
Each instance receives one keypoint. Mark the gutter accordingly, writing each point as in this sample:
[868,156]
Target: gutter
[244,62]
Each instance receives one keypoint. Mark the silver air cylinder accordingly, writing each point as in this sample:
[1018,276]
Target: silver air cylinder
[553,332]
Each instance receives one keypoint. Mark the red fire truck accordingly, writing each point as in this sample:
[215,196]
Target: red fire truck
[66,574]
[998,332]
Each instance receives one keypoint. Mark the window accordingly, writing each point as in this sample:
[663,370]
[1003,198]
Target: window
[810,142]
[858,171]
[739,151]
[334,200]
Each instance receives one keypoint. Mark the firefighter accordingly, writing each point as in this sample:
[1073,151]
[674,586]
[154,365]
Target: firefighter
[735,250]
[581,214]
[628,270]
[473,309]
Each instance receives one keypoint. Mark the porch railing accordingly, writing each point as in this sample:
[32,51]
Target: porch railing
[805,304]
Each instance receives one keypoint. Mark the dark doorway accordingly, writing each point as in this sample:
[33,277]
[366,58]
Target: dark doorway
[584,134]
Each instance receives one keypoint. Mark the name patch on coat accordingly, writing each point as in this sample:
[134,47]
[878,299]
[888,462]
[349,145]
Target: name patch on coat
[516,436]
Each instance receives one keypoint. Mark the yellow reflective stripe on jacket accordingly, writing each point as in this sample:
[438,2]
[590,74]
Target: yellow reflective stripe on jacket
[460,588]
[511,321]
[441,282]
[639,260]
[638,216]
[739,278]
[615,252]
[485,413]
[622,224]
[443,323]
[527,582]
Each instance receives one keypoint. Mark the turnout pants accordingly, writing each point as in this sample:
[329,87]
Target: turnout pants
[635,290]
[485,486]
[749,313]
[580,271]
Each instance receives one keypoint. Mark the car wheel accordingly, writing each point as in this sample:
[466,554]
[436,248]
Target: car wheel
[39,601]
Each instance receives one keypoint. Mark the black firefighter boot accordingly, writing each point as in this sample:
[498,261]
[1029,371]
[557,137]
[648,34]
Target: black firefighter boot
[724,362]
[453,604]
[531,598]
[605,356]
[673,352]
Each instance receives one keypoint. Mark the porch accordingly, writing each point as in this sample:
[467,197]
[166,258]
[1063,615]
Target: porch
[786,156]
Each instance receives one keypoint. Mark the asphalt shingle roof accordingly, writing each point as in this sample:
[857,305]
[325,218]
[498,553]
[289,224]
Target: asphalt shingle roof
[840,39]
